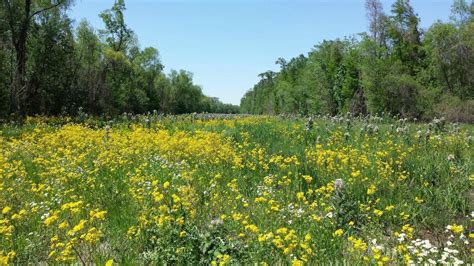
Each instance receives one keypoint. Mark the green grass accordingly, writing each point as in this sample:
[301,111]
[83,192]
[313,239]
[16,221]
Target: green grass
[187,191]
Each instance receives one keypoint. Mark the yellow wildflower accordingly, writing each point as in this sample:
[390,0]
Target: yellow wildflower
[371,190]
[338,232]
[457,229]
[6,210]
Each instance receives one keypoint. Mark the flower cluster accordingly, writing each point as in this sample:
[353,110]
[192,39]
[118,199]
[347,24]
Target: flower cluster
[204,189]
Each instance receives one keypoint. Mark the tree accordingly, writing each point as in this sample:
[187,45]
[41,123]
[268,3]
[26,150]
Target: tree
[462,12]
[393,69]
[116,93]
[147,67]
[450,51]
[164,103]
[47,69]
[51,48]
[88,76]
[405,35]
[19,15]
[377,21]
[401,94]
[282,62]
[329,56]
[186,96]
[5,67]
[117,35]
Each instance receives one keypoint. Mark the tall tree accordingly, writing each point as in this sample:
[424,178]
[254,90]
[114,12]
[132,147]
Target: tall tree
[462,12]
[51,49]
[5,61]
[116,70]
[377,21]
[117,34]
[20,14]
[88,56]
[405,35]
[147,67]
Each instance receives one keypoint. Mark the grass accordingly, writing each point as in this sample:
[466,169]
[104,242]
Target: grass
[235,190]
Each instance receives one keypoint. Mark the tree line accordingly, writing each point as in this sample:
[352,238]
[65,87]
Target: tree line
[396,68]
[49,67]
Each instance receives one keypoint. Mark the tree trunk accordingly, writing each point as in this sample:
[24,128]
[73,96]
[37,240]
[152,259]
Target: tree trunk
[19,38]
[19,84]
[19,30]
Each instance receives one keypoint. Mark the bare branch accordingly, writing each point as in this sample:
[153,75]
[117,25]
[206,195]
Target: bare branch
[46,9]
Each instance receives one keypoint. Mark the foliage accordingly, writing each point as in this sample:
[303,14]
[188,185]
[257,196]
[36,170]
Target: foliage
[396,68]
[49,68]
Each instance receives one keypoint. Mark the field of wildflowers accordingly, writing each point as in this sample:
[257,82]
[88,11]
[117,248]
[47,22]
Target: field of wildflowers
[203,189]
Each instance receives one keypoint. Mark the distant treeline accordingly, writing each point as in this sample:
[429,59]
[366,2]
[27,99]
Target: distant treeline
[48,67]
[396,68]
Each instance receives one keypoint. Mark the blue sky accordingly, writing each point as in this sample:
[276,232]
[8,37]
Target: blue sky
[227,43]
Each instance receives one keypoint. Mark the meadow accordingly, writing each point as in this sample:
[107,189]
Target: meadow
[210,189]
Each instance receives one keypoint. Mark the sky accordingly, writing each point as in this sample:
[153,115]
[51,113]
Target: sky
[227,43]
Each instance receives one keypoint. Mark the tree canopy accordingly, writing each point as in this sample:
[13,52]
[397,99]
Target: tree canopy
[49,67]
[396,68]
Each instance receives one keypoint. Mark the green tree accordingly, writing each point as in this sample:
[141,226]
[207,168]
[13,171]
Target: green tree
[5,67]
[146,68]
[186,96]
[88,75]
[51,49]
[19,15]
[117,93]
[405,36]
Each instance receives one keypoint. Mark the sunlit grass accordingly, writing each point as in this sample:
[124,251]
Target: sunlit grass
[197,189]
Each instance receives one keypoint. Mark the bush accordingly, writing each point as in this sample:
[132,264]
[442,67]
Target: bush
[401,94]
[455,110]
